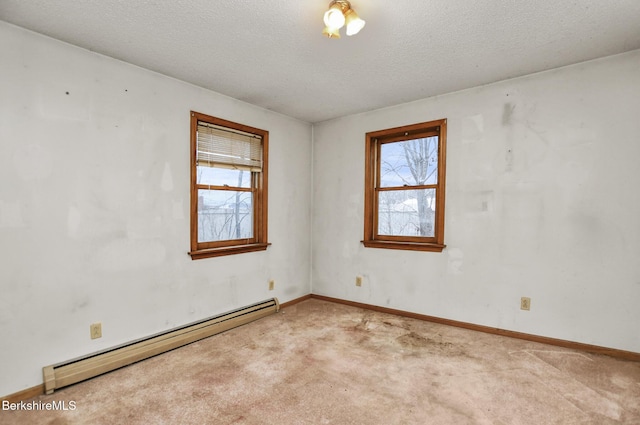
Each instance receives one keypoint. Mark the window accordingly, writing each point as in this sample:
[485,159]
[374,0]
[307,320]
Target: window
[404,187]
[228,187]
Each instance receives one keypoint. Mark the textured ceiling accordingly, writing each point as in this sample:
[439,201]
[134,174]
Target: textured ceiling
[272,53]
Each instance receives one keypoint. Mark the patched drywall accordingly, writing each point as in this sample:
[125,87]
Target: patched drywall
[541,202]
[94,206]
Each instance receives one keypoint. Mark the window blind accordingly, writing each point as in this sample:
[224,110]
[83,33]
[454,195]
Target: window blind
[221,147]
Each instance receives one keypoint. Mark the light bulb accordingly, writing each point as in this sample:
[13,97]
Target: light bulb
[333,18]
[354,23]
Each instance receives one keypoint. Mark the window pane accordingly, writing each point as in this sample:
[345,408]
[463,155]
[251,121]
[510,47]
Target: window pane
[224,215]
[223,176]
[407,212]
[409,162]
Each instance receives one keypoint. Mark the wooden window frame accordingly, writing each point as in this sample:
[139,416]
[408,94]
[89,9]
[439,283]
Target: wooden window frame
[259,180]
[373,141]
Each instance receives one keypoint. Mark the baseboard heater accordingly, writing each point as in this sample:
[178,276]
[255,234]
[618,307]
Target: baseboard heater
[74,371]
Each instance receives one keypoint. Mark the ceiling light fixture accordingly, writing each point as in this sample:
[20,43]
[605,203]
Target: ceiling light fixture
[339,14]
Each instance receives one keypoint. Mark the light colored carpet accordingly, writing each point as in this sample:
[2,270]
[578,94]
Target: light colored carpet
[323,363]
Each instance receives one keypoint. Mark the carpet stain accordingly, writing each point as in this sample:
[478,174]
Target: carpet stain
[401,325]
[362,326]
[413,339]
[362,330]
[416,342]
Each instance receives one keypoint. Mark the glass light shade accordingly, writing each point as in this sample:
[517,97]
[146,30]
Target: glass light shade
[331,32]
[353,21]
[333,18]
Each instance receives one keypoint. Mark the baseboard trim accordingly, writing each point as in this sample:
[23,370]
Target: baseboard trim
[595,349]
[25,394]
[296,301]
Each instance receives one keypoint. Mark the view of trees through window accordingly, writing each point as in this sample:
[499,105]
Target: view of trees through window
[406,193]
[224,214]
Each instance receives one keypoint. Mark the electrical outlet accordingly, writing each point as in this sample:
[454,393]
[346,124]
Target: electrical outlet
[96,330]
[272,284]
[358,280]
[525,303]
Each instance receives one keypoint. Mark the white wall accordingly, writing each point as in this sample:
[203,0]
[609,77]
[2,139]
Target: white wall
[94,206]
[542,201]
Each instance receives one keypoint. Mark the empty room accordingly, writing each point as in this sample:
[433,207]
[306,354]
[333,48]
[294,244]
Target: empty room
[319,212]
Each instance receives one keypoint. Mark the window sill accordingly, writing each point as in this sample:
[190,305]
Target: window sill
[227,250]
[410,246]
